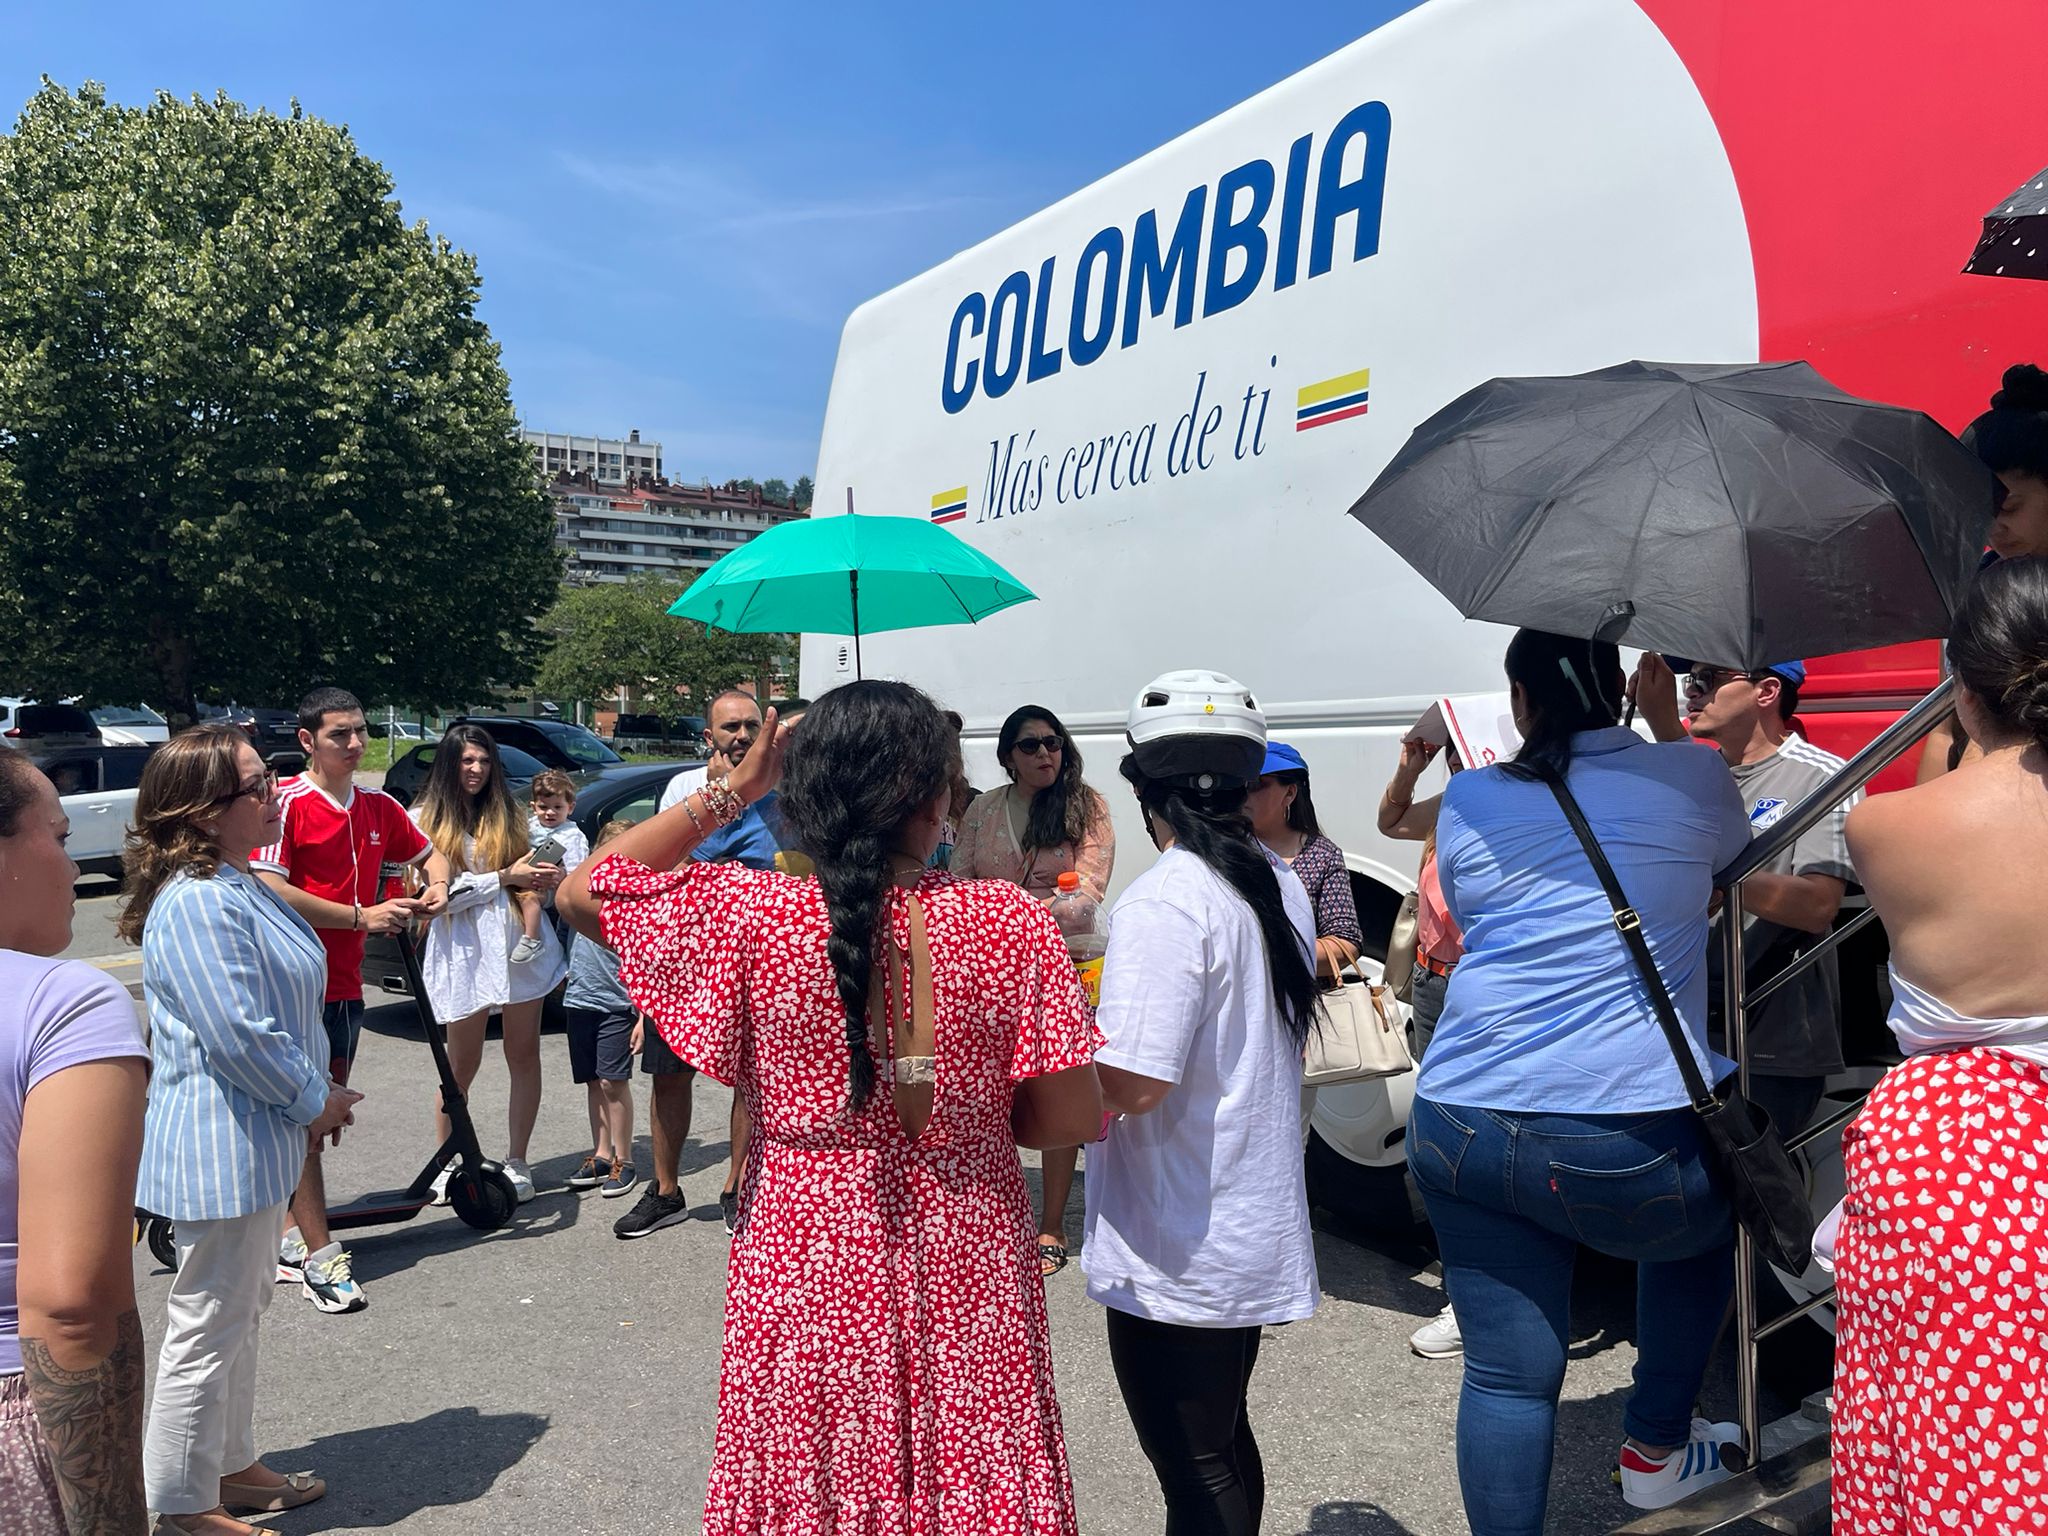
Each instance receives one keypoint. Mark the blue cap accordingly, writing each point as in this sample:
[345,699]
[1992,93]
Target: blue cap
[1281,758]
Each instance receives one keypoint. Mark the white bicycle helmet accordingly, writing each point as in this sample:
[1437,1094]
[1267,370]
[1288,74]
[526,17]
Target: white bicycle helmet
[1200,727]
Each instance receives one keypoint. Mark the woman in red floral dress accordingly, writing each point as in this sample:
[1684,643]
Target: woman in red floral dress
[896,1033]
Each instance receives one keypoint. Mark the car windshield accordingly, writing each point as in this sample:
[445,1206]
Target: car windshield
[126,714]
[582,746]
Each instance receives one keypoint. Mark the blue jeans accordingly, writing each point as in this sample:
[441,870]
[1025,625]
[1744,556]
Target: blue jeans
[1512,1196]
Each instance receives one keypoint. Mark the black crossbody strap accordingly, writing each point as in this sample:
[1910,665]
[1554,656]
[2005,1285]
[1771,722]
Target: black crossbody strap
[1629,925]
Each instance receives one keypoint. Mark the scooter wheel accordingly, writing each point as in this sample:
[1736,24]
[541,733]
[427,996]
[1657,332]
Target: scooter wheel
[485,1200]
[162,1238]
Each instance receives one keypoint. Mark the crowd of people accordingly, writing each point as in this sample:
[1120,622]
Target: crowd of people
[828,919]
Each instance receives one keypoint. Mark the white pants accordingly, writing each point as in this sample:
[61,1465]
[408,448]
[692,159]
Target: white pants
[202,1420]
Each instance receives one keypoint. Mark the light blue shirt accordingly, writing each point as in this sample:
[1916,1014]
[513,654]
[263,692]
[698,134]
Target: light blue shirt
[1546,1011]
[234,980]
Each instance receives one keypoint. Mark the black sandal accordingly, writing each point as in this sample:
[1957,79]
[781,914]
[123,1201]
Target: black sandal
[1052,1257]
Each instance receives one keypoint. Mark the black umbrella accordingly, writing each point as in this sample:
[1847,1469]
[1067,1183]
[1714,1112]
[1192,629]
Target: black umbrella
[1740,513]
[2015,238]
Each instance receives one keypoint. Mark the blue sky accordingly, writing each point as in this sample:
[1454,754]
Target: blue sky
[674,207]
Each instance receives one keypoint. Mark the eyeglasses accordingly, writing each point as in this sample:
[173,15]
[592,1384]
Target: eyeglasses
[263,789]
[1710,679]
[1031,746]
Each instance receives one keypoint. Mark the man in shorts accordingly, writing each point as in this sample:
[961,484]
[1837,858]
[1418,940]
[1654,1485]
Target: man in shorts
[336,846]
[732,727]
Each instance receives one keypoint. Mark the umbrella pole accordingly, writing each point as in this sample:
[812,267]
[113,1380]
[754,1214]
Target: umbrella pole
[853,589]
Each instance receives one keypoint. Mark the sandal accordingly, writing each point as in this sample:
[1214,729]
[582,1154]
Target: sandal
[269,1498]
[1052,1256]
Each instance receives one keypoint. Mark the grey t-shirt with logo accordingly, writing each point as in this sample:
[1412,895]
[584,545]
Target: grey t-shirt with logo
[1797,1031]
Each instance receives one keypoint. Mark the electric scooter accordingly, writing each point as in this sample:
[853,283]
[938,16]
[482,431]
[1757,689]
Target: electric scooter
[479,1190]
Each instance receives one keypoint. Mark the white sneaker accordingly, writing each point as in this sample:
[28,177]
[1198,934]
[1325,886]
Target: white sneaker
[1686,1471]
[1439,1338]
[525,950]
[440,1185]
[291,1258]
[521,1177]
[330,1282]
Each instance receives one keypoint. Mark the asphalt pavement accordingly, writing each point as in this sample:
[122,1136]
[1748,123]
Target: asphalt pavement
[549,1377]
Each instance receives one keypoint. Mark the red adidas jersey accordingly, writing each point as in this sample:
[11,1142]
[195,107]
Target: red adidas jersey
[340,853]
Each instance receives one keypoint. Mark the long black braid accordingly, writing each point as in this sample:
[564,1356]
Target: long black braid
[868,757]
[1214,826]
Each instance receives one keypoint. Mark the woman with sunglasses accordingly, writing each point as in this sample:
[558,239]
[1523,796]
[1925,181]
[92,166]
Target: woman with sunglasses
[233,980]
[1034,829]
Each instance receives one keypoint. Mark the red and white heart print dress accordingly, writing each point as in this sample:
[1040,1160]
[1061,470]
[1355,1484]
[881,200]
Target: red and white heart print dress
[1941,1338]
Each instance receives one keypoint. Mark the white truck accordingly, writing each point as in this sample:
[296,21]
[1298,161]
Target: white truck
[1155,400]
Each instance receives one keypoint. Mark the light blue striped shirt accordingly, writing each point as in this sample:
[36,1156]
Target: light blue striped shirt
[233,979]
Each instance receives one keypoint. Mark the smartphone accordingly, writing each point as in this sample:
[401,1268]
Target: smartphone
[548,850]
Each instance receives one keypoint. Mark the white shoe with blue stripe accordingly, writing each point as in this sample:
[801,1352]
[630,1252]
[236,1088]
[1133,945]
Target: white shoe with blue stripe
[1696,1465]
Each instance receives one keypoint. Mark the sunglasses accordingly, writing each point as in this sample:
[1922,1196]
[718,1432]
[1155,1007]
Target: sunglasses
[1031,746]
[1710,679]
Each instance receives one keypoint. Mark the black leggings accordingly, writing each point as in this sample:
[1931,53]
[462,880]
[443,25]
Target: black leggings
[1184,1389]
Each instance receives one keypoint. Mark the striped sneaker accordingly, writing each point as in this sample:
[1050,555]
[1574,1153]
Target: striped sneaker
[1696,1465]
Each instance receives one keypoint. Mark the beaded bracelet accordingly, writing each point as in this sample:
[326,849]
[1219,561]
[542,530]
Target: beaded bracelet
[723,802]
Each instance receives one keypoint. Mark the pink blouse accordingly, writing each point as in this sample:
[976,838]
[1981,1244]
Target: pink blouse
[988,850]
[1436,934]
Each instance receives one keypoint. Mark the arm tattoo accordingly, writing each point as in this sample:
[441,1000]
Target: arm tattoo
[92,1422]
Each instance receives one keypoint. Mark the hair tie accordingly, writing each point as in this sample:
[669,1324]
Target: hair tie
[1564,665]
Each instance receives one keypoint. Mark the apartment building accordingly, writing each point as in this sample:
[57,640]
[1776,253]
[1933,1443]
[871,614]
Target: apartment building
[612,532]
[607,460]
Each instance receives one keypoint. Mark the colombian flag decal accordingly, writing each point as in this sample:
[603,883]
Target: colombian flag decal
[950,506]
[1338,399]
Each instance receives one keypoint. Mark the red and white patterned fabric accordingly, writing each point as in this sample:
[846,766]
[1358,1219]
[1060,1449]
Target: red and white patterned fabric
[1941,1339]
[887,1365]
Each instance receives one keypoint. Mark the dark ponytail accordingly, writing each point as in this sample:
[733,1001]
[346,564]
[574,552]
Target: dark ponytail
[1999,645]
[1568,686]
[1215,828]
[869,756]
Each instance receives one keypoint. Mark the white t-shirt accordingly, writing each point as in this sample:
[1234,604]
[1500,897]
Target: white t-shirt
[682,786]
[1196,1212]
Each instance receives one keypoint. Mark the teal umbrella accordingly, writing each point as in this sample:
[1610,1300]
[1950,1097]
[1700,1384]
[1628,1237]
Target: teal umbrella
[850,575]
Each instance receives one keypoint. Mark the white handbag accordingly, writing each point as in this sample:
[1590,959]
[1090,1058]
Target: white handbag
[1363,1033]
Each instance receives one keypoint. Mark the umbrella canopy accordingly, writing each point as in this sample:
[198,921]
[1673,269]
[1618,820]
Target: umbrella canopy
[2015,238]
[1739,513]
[850,575]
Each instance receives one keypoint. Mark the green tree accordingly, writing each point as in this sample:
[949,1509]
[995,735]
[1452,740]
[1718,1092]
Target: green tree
[800,495]
[616,634]
[775,490]
[252,433]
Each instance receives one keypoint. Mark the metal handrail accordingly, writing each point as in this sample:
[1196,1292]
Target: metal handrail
[1890,744]
[1807,958]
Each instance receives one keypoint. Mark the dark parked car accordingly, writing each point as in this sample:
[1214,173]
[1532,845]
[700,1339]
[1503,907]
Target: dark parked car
[683,737]
[629,790]
[274,731]
[408,776]
[524,746]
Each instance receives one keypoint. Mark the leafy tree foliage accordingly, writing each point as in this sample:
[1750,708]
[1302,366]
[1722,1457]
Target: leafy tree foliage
[252,433]
[775,490]
[617,634]
[800,495]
